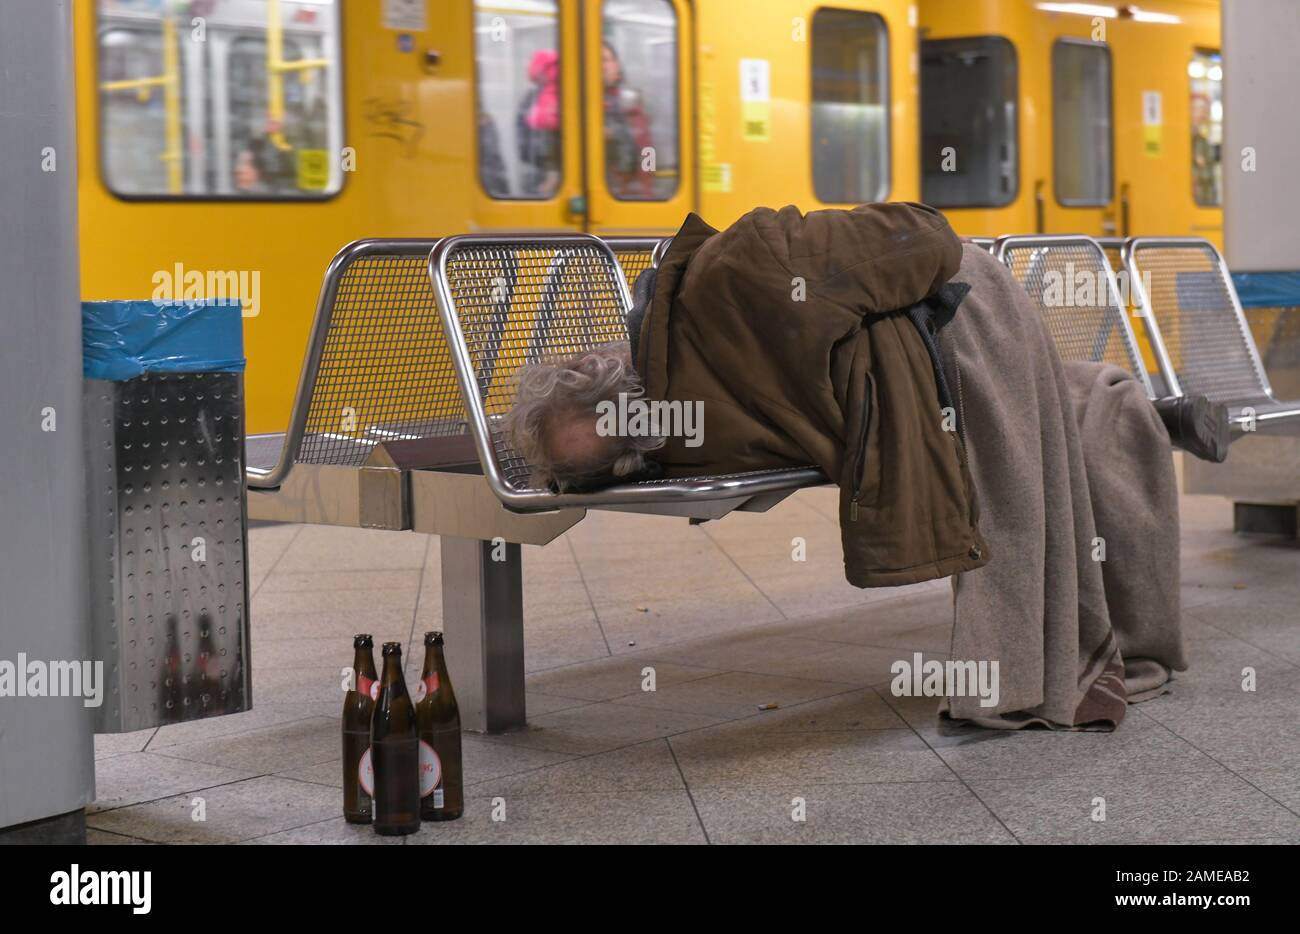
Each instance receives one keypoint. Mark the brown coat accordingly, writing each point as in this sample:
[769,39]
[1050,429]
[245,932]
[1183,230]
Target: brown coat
[837,376]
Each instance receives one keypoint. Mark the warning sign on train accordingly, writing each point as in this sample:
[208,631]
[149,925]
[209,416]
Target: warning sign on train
[406,15]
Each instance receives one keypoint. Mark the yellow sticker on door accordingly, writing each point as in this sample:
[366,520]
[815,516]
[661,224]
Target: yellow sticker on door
[313,169]
[755,100]
[1152,124]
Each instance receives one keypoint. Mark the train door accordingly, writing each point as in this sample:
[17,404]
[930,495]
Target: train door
[1081,191]
[527,115]
[637,116]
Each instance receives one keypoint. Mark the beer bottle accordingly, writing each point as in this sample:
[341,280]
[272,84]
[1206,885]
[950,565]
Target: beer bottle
[442,788]
[358,708]
[394,751]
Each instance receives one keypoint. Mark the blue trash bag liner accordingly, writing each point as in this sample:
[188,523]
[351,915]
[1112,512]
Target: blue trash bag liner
[123,340]
[1267,289]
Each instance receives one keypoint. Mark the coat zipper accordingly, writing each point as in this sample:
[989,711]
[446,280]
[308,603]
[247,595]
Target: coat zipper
[860,460]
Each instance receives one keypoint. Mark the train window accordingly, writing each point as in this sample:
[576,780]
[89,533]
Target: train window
[136,157]
[244,102]
[517,61]
[639,54]
[1206,73]
[1081,123]
[850,101]
[969,156]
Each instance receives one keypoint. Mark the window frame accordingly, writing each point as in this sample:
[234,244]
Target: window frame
[1014,194]
[476,100]
[1110,107]
[677,113]
[339,85]
[1204,52]
[887,99]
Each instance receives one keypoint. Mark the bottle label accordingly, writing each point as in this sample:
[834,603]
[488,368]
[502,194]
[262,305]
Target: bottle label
[426,687]
[366,774]
[430,774]
[367,687]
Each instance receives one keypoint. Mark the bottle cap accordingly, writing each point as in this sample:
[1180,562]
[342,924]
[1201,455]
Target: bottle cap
[363,640]
[433,638]
[392,648]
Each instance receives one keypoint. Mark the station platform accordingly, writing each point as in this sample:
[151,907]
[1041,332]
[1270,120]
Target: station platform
[730,624]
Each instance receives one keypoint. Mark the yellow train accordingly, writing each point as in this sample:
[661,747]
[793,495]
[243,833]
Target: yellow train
[240,143]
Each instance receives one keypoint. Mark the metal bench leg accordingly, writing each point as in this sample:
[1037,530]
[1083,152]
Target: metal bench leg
[483,618]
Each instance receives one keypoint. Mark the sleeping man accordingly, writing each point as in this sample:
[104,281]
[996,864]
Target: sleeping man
[919,378]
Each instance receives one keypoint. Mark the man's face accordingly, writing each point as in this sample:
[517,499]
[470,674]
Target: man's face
[574,444]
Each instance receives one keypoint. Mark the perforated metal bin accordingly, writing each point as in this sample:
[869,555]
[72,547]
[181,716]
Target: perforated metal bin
[168,547]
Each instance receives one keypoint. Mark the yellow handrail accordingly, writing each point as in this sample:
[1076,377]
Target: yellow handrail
[170,82]
[276,67]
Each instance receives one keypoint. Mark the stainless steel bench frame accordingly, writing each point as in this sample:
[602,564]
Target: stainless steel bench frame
[1286,419]
[480,520]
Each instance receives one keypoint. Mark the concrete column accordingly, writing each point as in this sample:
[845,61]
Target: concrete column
[46,751]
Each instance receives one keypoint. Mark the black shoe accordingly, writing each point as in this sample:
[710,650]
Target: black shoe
[1197,425]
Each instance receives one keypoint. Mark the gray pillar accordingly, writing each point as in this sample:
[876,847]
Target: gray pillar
[46,752]
[483,619]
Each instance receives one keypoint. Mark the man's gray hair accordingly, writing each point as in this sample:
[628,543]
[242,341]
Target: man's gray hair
[574,387]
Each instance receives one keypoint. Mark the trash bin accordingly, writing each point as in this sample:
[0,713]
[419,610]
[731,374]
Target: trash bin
[164,426]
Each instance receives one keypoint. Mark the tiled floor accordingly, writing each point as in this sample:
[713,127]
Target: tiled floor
[729,622]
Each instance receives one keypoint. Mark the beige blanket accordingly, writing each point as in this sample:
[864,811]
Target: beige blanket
[1078,502]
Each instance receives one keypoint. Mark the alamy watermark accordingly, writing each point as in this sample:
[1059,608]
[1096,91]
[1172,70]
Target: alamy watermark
[240,287]
[642,418]
[37,678]
[952,678]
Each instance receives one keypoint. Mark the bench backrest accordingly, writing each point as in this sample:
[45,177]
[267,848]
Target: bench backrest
[635,255]
[1182,284]
[1113,248]
[508,302]
[1069,280]
[377,366]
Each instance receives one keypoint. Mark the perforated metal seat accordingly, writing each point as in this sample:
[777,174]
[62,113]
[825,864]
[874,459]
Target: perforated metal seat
[508,301]
[1072,284]
[376,367]
[1113,248]
[636,254]
[1182,284]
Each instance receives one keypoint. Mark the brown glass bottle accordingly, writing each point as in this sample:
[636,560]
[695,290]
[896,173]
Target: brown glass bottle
[358,709]
[394,751]
[442,785]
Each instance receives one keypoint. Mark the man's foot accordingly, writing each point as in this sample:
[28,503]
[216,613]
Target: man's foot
[1197,425]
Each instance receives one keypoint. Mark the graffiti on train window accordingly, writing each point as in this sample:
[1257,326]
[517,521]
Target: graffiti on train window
[969,155]
[1082,135]
[850,106]
[233,98]
[639,54]
[517,61]
[1206,73]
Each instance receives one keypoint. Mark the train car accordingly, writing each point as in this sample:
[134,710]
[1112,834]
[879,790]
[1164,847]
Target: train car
[253,138]
[1097,118]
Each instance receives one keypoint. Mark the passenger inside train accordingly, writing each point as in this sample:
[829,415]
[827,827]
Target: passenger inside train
[940,406]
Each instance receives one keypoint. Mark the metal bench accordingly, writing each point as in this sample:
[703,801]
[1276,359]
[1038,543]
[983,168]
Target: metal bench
[984,243]
[1182,286]
[637,254]
[1089,321]
[393,427]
